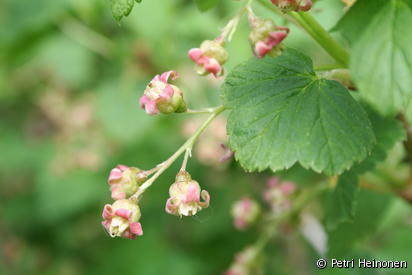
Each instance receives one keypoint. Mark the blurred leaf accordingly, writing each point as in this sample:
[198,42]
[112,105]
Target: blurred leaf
[282,113]
[119,112]
[357,18]
[388,131]
[59,196]
[388,87]
[342,202]
[205,5]
[371,209]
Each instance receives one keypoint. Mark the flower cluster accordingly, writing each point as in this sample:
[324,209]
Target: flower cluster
[162,97]
[121,219]
[245,212]
[185,195]
[266,37]
[293,5]
[247,262]
[210,57]
[277,195]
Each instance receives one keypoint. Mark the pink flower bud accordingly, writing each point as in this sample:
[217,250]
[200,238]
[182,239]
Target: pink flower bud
[245,212]
[293,5]
[277,194]
[121,219]
[247,262]
[209,58]
[124,181]
[185,195]
[162,97]
[266,37]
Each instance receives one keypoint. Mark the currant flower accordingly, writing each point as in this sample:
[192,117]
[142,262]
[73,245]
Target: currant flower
[245,212]
[121,219]
[124,181]
[266,37]
[247,262]
[210,57]
[185,195]
[162,97]
[293,5]
[278,194]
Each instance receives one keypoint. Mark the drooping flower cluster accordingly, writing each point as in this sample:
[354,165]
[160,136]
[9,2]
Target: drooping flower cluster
[210,57]
[266,37]
[185,196]
[293,5]
[247,262]
[277,195]
[245,212]
[162,97]
[121,219]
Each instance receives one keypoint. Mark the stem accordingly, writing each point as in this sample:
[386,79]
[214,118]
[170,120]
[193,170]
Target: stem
[188,144]
[309,23]
[188,153]
[204,111]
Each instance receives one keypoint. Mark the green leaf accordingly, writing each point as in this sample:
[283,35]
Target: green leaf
[282,113]
[371,209]
[342,202]
[381,63]
[354,22]
[388,132]
[121,8]
[205,5]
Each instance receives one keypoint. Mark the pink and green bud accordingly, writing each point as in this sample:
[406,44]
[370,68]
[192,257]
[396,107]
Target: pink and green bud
[186,197]
[210,57]
[121,219]
[247,262]
[266,37]
[162,97]
[278,195]
[245,212]
[293,5]
[124,181]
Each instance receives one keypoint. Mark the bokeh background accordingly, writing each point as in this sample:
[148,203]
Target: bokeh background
[70,80]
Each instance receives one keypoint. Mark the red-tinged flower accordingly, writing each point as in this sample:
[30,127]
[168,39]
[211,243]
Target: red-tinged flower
[162,97]
[209,58]
[247,262]
[185,196]
[293,5]
[245,212]
[277,195]
[124,181]
[121,219]
[266,37]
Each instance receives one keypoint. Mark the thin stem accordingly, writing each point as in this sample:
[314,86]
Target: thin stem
[188,144]
[328,67]
[203,111]
[230,29]
[188,153]
[324,39]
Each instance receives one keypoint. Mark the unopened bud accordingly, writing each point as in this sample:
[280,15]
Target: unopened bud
[124,181]
[209,58]
[162,97]
[245,212]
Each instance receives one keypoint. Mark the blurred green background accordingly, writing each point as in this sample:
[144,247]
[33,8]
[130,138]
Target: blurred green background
[70,80]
